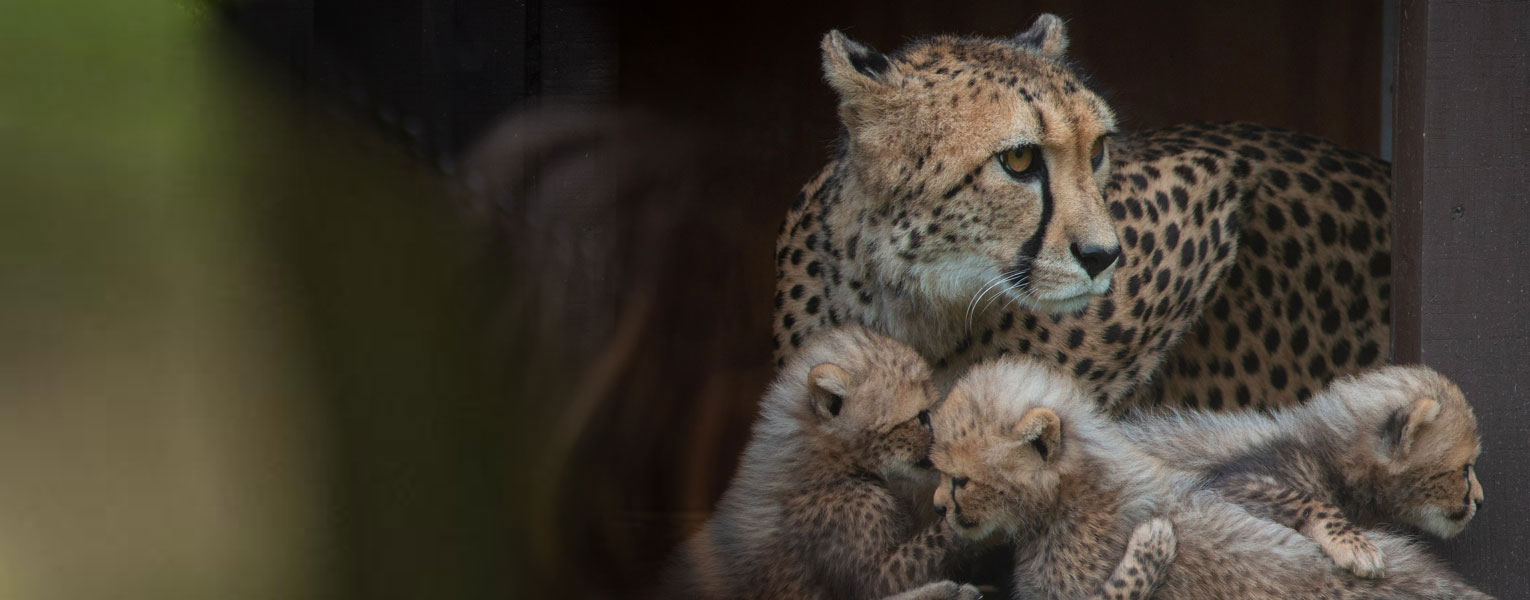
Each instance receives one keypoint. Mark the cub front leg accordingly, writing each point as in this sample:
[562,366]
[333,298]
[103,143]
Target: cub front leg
[1314,517]
[918,560]
[1147,558]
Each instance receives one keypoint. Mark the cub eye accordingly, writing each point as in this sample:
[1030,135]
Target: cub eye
[924,418]
[1097,153]
[1020,163]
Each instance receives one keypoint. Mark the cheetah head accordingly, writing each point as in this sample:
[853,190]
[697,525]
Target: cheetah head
[976,169]
[1000,448]
[1424,457]
[868,399]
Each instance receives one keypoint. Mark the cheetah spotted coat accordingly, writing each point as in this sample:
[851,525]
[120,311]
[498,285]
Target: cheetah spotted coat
[1255,269]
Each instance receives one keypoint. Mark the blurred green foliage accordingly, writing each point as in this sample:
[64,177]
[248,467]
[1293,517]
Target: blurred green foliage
[240,344]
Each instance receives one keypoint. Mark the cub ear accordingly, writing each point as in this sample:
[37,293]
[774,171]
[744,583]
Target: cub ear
[1042,428]
[851,68]
[830,385]
[1047,37]
[1402,428]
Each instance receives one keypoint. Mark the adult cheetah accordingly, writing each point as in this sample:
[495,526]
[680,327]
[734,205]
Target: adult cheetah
[982,202]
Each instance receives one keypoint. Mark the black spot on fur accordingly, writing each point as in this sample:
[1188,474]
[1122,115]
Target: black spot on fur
[1250,362]
[1293,253]
[1340,354]
[1375,202]
[1330,321]
[1309,183]
[1328,229]
[1367,355]
[1299,341]
[1255,243]
[1342,196]
[1278,377]
[1232,337]
[1274,218]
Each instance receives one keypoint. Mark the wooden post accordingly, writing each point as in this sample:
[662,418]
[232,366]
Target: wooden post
[1461,264]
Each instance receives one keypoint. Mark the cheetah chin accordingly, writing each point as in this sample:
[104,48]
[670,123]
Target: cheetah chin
[1071,300]
[1066,305]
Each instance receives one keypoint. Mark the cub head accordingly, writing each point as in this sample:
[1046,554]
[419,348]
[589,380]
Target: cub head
[1004,442]
[864,397]
[977,166]
[1424,450]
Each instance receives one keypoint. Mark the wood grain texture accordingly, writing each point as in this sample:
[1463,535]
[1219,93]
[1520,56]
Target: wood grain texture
[1461,265]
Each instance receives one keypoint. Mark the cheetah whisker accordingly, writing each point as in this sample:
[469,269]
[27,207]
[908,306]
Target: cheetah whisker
[970,305]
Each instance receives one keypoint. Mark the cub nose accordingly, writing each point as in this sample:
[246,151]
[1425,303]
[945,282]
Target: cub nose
[1094,258]
[940,510]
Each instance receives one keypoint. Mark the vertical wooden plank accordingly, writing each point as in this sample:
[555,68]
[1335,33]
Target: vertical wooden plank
[1407,185]
[1389,24]
[1461,303]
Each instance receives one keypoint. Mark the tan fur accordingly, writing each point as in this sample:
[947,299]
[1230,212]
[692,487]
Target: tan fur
[811,512]
[1391,446]
[1068,505]
[914,230]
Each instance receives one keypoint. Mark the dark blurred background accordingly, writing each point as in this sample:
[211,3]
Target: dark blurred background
[457,298]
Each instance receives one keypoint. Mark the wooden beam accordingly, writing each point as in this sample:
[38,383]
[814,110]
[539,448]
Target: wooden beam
[1461,265]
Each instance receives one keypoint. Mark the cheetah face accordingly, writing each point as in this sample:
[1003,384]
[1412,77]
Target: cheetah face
[1430,473]
[995,478]
[1443,500]
[903,450]
[875,405]
[980,166]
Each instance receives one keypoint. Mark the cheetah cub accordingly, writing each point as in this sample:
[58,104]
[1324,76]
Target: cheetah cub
[1394,445]
[812,512]
[1023,453]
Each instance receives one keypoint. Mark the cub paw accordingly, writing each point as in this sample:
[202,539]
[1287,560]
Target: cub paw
[941,590]
[1358,555]
[967,592]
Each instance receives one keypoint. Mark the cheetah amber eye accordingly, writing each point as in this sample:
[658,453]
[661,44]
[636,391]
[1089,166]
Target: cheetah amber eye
[1097,153]
[1020,163]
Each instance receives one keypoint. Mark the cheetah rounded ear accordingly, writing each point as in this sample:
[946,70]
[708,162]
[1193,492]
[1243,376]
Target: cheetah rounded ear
[1048,36]
[852,68]
[1403,427]
[830,386]
[1042,429]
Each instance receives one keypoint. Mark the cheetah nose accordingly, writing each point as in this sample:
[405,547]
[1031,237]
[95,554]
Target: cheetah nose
[940,510]
[1094,258]
[1477,503]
